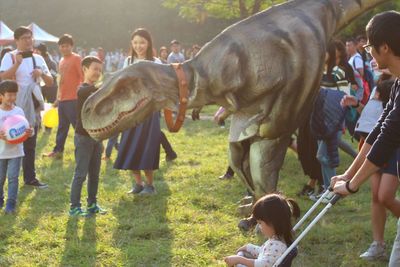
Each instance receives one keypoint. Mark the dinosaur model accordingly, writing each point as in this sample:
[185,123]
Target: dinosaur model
[265,70]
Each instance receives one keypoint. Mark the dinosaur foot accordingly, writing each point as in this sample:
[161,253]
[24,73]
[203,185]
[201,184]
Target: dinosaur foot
[245,210]
[247,224]
[246,200]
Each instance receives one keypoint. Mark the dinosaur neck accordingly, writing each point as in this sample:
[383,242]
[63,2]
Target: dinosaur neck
[348,10]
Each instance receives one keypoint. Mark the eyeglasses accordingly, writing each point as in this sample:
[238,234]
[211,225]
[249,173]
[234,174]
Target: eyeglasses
[368,48]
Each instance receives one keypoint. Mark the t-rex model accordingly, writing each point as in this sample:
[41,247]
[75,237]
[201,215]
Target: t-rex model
[265,70]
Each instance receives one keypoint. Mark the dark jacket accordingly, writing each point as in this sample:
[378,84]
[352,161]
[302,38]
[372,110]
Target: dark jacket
[84,91]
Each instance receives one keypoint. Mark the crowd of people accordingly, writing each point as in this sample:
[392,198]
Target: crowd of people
[32,76]
[358,92]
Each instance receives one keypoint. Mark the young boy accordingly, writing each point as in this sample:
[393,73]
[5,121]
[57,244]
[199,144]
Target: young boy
[10,155]
[87,150]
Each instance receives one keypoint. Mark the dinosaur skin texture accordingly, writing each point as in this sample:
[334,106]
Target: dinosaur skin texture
[265,70]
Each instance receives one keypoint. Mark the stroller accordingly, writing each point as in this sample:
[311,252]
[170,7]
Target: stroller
[285,260]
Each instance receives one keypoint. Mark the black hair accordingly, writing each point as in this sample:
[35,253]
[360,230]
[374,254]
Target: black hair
[361,37]
[21,30]
[352,40]
[88,60]
[4,51]
[341,48]
[383,88]
[142,32]
[276,211]
[66,39]
[384,28]
[331,50]
[175,42]
[8,86]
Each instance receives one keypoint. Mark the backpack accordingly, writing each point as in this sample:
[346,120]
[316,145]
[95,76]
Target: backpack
[328,115]
[366,87]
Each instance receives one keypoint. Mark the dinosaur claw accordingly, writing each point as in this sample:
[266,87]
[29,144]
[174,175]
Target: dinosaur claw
[231,99]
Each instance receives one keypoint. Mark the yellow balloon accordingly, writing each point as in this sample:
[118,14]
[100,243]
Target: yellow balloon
[50,118]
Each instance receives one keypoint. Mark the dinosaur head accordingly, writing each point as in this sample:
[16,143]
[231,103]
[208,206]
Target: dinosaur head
[128,97]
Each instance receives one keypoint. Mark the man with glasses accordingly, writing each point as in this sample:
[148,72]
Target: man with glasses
[27,69]
[383,33]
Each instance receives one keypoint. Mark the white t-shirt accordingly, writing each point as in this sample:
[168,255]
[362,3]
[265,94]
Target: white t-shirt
[23,74]
[128,62]
[9,151]
[356,63]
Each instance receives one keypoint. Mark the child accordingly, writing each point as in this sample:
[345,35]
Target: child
[87,150]
[273,213]
[10,155]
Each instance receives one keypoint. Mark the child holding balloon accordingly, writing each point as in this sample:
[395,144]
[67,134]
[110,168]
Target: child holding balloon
[14,129]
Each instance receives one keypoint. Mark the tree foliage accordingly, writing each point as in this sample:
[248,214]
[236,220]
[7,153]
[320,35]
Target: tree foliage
[109,24]
[200,10]
[357,27]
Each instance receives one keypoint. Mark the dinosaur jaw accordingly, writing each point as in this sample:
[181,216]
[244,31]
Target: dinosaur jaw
[123,120]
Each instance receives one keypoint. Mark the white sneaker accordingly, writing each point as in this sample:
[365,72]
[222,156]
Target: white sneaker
[375,251]
[315,197]
[325,200]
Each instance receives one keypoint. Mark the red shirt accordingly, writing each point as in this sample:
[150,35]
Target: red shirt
[71,76]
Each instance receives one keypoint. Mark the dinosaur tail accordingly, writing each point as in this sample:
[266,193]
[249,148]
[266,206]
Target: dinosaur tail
[348,10]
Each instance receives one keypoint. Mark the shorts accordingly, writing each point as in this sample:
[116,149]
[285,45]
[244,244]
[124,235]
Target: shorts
[391,166]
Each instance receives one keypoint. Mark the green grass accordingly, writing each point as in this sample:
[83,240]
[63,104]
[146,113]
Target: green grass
[192,221]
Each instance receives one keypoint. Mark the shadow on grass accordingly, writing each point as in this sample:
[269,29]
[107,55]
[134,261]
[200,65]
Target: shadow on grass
[143,233]
[80,251]
[7,232]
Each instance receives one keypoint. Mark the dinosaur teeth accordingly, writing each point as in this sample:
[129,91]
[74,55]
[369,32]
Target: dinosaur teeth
[120,116]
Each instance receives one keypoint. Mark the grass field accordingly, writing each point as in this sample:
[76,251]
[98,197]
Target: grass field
[192,221]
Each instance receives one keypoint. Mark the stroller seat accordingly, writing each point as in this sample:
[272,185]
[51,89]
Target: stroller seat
[287,262]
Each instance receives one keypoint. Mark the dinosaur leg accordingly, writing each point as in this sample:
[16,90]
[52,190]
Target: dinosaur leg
[266,159]
[239,162]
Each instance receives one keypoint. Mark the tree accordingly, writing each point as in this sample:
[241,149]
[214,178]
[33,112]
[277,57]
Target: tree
[200,10]
[357,27]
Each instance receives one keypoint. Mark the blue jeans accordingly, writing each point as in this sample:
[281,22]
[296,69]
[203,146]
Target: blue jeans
[66,117]
[322,155]
[28,162]
[10,168]
[112,142]
[87,160]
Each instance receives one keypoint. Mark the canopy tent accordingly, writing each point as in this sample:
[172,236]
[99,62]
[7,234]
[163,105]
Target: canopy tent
[6,34]
[40,35]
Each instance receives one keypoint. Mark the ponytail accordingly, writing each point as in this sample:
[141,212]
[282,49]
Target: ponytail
[294,207]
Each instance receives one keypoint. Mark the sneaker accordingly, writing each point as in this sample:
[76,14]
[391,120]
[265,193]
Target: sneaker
[136,189]
[226,176]
[37,184]
[326,198]
[148,190]
[374,252]
[10,207]
[53,154]
[315,197]
[77,211]
[171,157]
[94,208]
[306,191]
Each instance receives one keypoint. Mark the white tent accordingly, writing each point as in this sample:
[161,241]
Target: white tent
[6,34]
[39,35]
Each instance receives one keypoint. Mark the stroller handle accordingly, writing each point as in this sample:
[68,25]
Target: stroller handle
[332,202]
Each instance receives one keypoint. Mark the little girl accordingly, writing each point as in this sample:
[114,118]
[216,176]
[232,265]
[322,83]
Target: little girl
[273,213]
